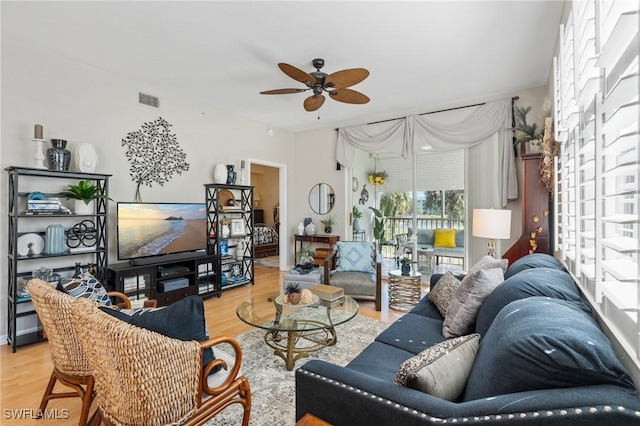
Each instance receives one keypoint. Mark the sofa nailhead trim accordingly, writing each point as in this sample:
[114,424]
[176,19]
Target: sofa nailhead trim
[549,413]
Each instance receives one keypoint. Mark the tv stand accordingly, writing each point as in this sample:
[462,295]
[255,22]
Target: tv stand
[166,258]
[167,279]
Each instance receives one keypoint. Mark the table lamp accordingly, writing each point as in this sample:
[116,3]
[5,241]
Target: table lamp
[493,224]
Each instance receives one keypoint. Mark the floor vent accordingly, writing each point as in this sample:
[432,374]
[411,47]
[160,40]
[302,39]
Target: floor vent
[148,100]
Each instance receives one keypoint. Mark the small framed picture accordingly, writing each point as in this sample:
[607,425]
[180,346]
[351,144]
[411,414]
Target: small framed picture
[224,247]
[237,227]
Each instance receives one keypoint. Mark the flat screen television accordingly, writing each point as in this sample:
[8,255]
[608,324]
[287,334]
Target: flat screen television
[156,229]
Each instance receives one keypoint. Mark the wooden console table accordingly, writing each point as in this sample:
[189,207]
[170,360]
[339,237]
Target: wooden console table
[330,240]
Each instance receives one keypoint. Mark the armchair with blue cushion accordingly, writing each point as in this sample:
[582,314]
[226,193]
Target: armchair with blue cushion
[355,267]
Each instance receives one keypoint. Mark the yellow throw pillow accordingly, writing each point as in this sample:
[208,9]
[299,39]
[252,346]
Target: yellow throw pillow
[445,238]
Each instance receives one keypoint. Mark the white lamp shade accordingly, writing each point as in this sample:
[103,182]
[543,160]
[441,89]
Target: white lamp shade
[492,223]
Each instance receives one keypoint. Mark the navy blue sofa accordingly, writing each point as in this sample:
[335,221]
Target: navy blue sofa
[531,365]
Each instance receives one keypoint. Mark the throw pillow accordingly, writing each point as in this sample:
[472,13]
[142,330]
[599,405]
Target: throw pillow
[443,291]
[467,300]
[445,238]
[488,262]
[89,288]
[183,320]
[543,343]
[355,256]
[442,369]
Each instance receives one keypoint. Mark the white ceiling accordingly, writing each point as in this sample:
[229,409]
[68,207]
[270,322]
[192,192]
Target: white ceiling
[421,55]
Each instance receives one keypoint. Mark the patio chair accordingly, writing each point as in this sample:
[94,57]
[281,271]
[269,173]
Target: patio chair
[145,378]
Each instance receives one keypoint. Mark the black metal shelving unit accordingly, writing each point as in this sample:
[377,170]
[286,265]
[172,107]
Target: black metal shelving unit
[237,268]
[22,181]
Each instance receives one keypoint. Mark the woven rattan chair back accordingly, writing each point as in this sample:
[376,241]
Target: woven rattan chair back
[70,366]
[142,377]
[54,311]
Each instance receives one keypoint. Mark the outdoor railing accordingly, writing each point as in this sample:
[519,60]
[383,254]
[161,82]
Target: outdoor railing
[400,225]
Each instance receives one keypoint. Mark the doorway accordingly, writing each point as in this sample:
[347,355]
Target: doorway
[269,182]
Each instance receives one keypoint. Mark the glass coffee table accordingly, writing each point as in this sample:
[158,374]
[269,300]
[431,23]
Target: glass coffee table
[293,331]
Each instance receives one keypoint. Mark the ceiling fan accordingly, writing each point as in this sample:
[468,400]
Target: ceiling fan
[335,84]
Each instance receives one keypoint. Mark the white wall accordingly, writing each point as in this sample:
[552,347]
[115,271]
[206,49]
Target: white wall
[86,105]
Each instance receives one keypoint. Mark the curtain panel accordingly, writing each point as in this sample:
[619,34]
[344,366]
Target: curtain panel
[413,134]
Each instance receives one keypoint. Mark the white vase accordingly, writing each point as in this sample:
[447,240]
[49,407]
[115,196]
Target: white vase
[239,250]
[220,173]
[300,228]
[225,230]
[79,207]
[310,229]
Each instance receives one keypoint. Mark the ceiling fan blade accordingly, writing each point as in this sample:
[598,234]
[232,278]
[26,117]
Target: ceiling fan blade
[282,91]
[297,74]
[314,102]
[346,78]
[348,96]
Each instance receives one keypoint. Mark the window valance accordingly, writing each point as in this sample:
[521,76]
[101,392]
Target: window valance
[414,133]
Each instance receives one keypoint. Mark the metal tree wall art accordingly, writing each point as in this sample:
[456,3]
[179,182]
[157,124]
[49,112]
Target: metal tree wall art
[154,154]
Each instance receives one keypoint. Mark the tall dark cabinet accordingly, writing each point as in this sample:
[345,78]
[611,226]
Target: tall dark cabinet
[536,212]
[26,229]
[230,224]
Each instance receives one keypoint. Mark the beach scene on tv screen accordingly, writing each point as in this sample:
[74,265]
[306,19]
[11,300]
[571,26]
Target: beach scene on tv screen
[157,229]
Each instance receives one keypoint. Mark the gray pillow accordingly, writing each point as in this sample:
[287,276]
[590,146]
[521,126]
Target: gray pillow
[466,302]
[488,262]
[443,291]
[442,369]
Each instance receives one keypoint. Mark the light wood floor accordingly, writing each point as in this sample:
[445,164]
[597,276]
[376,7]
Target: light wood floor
[25,373]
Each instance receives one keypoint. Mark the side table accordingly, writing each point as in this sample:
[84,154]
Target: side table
[429,258]
[404,290]
[360,235]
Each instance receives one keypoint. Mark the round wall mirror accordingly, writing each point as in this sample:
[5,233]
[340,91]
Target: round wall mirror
[322,198]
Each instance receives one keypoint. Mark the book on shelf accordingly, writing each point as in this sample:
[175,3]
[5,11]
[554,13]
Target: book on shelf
[46,212]
[46,200]
[327,292]
[232,209]
[48,206]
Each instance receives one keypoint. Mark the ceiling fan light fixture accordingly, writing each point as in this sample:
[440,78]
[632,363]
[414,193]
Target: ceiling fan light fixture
[320,82]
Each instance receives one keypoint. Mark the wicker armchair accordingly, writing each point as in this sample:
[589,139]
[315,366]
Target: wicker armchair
[145,378]
[70,367]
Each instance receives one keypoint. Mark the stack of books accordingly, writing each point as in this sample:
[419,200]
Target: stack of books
[46,207]
[329,295]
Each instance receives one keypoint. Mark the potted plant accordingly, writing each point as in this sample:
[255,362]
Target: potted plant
[406,262]
[304,257]
[380,216]
[357,215]
[531,136]
[84,193]
[328,223]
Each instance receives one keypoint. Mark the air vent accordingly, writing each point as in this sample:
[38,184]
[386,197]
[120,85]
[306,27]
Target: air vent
[148,100]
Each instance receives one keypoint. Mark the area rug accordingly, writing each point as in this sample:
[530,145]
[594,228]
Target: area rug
[273,387]
[268,262]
